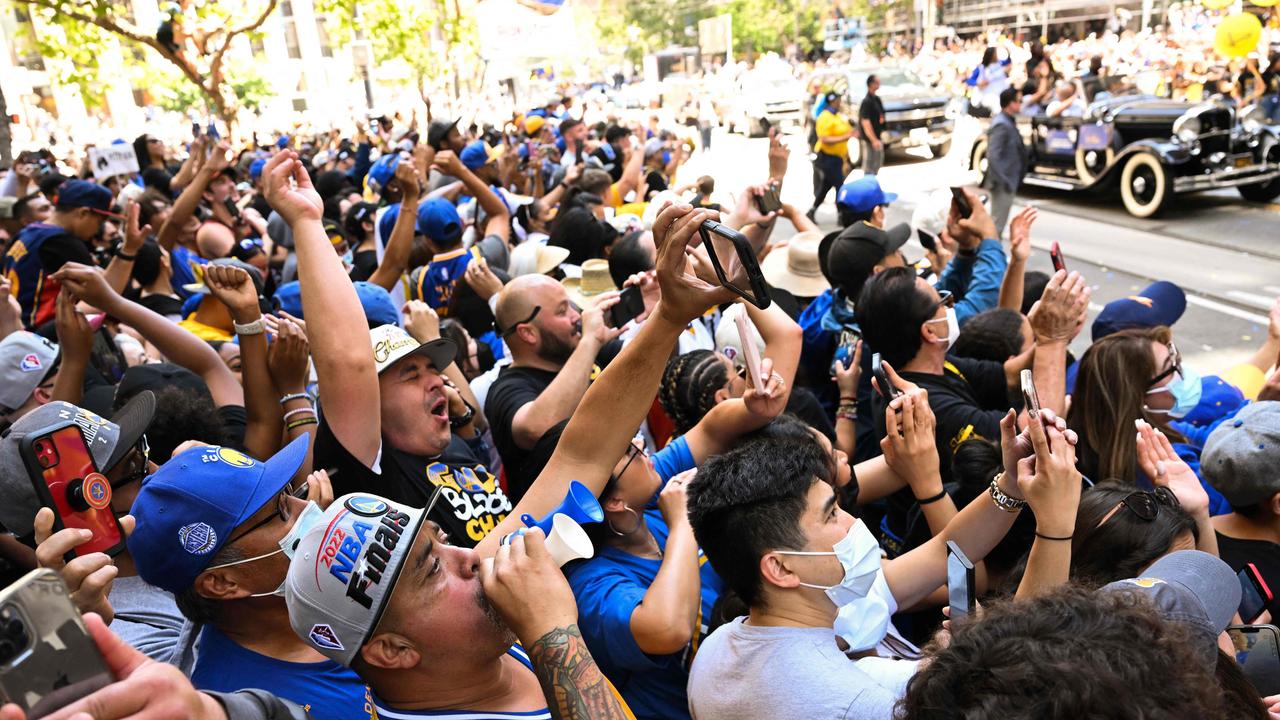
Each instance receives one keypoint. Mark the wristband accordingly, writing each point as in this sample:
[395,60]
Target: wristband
[461,421]
[257,327]
[933,499]
[300,423]
[1050,537]
[849,398]
[299,411]
[120,253]
[295,396]
[1005,502]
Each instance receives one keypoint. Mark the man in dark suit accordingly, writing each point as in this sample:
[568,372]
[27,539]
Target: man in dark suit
[1006,158]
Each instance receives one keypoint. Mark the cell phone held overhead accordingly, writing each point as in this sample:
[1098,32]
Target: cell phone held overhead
[887,390]
[735,263]
[67,480]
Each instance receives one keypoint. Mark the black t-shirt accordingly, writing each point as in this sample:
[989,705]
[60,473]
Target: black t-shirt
[363,264]
[168,305]
[63,248]
[656,181]
[514,387]
[968,399]
[872,110]
[1265,555]
[472,501]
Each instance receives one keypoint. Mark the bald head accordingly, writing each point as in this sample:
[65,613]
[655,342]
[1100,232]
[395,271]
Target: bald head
[519,297]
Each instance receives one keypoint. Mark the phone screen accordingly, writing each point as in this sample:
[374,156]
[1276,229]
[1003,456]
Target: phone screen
[845,349]
[630,305]
[1254,593]
[1030,397]
[735,262]
[67,480]
[960,582]
[1257,650]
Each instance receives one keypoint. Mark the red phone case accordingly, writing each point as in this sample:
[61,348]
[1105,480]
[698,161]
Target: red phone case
[66,479]
[1055,254]
[1263,589]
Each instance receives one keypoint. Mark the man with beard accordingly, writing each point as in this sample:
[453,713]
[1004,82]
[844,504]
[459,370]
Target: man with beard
[553,355]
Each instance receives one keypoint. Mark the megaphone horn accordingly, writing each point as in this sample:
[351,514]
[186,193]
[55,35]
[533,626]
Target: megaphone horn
[568,541]
[580,505]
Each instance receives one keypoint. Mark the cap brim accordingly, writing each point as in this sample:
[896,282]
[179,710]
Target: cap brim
[278,471]
[898,236]
[105,213]
[441,352]
[1170,300]
[550,257]
[776,271]
[133,419]
[889,198]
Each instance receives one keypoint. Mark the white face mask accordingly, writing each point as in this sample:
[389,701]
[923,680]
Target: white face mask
[862,620]
[953,329]
[309,516]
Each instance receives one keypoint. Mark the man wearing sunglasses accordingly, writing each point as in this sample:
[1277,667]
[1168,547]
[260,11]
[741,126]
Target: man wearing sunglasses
[217,528]
[553,350]
[913,325]
[143,615]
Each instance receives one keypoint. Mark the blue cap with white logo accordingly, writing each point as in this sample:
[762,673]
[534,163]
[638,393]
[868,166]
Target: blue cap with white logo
[438,219]
[188,510]
[864,194]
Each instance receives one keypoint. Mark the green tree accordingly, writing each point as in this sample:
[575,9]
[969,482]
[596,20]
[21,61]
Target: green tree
[194,37]
[759,26]
[417,34]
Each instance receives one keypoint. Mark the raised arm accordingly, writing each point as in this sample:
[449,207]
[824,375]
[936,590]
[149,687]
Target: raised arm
[1019,251]
[1055,320]
[718,431]
[75,345]
[1052,485]
[175,343]
[783,339]
[633,171]
[189,200]
[340,345]
[611,411]
[396,258]
[235,289]
[498,218]
[667,616]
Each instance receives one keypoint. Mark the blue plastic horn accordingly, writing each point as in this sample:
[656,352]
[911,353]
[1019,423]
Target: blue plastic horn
[579,503]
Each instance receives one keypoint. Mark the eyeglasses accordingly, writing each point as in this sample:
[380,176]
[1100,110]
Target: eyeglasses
[945,299]
[536,309]
[633,451]
[1145,504]
[1175,366]
[282,513]
[139,463]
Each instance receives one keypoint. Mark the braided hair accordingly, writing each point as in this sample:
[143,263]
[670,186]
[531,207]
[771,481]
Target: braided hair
[689,386]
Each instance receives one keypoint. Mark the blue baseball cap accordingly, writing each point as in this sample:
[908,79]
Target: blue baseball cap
[255,168]
[382,172]
[188,510]
[864,194]
[379,309]
[77,193]
[476,155]
[1160,303]
[438,219]
[289,296]
[387,222]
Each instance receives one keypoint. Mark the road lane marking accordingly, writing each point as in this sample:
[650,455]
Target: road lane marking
[1227,310]
[1262,301]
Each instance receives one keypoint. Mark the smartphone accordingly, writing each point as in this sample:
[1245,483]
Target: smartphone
[887,389]
[107,357]
[1055,254]
[926,240]
[195,130]
[769,201]
[844,349]
[48,660]
[212,131]
[1255,595]
[1030,399]
[1257,649]
[67,480]
[230,204]
[735,262]
[962,201]
[960,582]
[630,305]
[750,353]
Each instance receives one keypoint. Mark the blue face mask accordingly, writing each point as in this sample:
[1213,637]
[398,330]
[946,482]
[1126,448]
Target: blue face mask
[1185,387]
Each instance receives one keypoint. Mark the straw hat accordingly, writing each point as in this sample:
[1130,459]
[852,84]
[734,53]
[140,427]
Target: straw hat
[529,258]
[795,268]
[594,282]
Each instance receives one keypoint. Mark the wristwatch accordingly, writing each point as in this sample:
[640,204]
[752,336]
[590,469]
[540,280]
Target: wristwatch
[120,253]
[257,327]
[461,421]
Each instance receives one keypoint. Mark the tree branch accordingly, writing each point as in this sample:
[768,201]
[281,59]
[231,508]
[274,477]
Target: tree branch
[101,21]
[215,66]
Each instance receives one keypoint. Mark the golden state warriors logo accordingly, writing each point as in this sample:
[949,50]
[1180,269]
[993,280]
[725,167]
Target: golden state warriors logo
[234,458]
[1147,583]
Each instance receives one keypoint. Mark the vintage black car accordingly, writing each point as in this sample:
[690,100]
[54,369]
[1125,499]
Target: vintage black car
[1151,149]
[915,112]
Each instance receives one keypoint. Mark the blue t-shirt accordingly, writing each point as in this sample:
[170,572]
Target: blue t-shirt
[516,652]
[441,275]
[180,260]
[673,459]
[326,690]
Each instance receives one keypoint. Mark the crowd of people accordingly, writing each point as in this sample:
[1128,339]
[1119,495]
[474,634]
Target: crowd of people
[359,400]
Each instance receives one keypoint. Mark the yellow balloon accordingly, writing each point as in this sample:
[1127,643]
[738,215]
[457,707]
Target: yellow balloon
[1217,4]
[1238,35]
[1264,3]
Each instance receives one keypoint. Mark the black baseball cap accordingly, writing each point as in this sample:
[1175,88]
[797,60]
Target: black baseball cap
[848,257]
[438,130]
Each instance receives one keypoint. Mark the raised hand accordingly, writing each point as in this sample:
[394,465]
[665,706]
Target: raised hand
[910,445]
[134,236]
[770,400]
[288,357]
[673,501]
[87,284]
[1161,463]
[778,155]
[1020,233]
[421,321]
[407,176]
[1059,314]
[289,190]
[75,334]
[685,296]
[595,329]
[847,378]
[482,279]
[1049,481]
[234,287]
[88,577]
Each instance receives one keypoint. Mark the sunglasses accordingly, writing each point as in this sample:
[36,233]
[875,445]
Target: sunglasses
[945,299]
[139,463]
[1144,504]
[536,309]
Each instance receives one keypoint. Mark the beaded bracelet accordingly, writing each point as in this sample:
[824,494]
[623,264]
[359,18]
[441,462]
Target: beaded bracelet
[295,396]
[303,421]
[299,411]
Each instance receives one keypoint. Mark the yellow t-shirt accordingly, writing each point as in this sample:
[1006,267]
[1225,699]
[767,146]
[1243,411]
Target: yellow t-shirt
[829,124]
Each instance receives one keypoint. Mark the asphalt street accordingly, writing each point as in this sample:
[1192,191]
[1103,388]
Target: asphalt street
[1223,251]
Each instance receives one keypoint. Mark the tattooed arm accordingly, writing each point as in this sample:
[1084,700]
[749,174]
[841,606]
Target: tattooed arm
[527,589]
[571,681]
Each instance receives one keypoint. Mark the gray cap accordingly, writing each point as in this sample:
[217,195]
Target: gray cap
[109,442]
[200,288]
[25,361]
[1241,455]
[1193,588]
[344,569]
